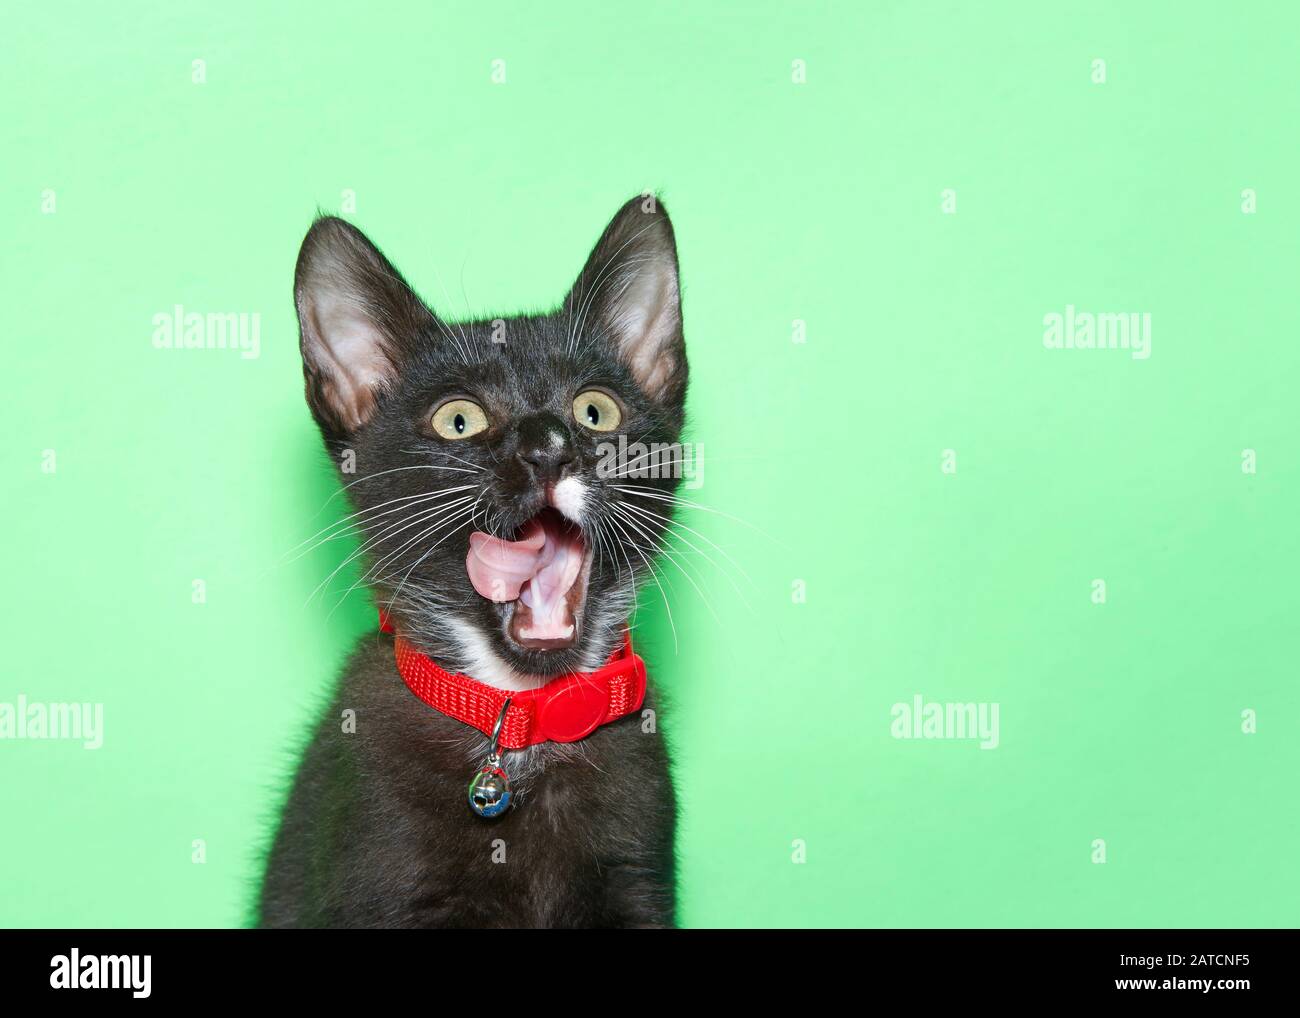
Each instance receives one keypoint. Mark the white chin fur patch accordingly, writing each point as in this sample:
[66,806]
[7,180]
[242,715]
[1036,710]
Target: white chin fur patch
[570,497]
[483,664]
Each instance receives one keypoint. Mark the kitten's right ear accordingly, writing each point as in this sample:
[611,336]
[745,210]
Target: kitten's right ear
[358,322]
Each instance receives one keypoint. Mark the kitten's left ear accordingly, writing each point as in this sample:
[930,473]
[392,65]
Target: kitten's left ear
[629,288]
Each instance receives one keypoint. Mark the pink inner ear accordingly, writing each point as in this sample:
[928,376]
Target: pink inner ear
[348,349]
[645,319]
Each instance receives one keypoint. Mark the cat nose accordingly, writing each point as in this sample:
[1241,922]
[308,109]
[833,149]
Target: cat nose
[544,448]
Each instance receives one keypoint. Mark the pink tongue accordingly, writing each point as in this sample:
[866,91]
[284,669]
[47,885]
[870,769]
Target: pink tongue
[538,569]
[499,568]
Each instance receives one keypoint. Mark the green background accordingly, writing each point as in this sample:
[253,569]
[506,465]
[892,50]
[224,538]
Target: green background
[819,202]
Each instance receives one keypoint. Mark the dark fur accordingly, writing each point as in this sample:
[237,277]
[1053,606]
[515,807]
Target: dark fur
[376,831]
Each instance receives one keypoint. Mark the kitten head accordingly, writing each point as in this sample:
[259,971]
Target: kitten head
[503,530]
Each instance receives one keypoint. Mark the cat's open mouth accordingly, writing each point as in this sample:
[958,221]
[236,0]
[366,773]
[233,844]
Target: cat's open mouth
[539,579]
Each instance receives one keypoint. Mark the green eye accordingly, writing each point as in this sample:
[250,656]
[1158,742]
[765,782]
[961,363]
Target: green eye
[459,418]
[597,410]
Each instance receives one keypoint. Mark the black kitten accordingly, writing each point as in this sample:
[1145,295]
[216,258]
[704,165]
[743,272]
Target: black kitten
[460,444]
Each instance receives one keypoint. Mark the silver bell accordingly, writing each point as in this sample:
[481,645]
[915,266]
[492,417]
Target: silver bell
[489,789]
[489,792]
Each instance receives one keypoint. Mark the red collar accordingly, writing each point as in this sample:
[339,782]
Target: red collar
[566,709]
